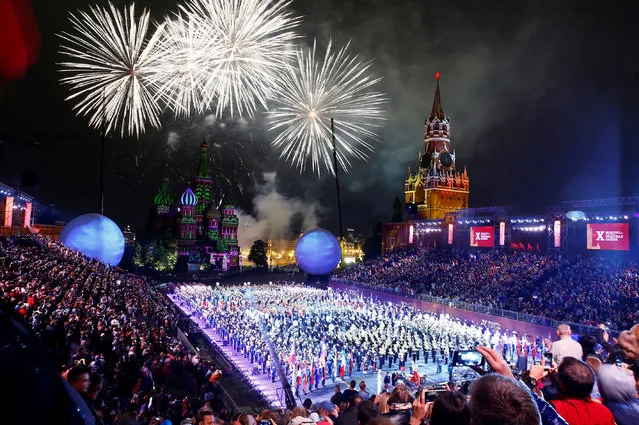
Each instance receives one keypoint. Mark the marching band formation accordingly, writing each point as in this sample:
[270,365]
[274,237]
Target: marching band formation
[325,334]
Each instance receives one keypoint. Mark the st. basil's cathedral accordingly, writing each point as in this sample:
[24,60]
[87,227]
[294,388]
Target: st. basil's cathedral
[206,231]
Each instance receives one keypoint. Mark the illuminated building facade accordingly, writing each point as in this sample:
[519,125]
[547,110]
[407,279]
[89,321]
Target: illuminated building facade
[204,233]
[281,253]
[129,235]
[352,252]
[437,187]
[17,215]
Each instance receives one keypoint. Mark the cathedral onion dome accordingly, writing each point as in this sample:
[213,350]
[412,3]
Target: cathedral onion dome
[188,198]
[164,198]
[213,213]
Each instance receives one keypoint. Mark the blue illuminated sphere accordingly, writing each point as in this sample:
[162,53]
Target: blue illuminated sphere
[95,236]
[318,252]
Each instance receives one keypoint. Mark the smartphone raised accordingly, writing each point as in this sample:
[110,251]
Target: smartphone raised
[468,358]
[431,395]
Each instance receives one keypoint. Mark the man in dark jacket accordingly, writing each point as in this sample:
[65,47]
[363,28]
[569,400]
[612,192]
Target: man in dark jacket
[349,416]
[336,399]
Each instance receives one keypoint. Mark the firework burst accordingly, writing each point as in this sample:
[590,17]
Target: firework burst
[110,68]
[180,75]
[253,41]
[313,92]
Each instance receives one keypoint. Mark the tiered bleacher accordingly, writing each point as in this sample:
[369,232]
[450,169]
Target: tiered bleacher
[116,344]
[587,290]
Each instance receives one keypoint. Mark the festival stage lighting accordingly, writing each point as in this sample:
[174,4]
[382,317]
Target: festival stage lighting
[576,215]
[318,252]
[95,236]
[530,228]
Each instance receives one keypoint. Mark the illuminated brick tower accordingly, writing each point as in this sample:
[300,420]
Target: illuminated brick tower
[187,226]
[437,187]
[203,187]
[229,229]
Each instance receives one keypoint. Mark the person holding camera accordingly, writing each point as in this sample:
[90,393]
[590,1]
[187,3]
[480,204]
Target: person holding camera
[400,403]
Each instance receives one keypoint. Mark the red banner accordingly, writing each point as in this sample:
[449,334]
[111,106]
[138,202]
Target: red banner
[482,236]
[608,236]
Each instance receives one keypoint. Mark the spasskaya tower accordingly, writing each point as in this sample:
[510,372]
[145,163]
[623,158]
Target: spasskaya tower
[437,187]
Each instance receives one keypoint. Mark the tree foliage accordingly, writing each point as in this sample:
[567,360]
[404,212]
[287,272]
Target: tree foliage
[160,255]
[140,258]
[257,254]
[164,253]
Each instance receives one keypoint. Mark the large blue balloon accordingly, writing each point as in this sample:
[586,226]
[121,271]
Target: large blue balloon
[318,252]
[96,236]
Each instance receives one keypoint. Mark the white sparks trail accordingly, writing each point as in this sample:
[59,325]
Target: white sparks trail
[181,73]
[253,46]
[313,92]
[110,67]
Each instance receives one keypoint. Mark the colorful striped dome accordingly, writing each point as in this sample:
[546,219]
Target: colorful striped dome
[188,198]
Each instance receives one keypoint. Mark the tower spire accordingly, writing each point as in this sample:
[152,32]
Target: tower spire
[438,107]
[203,169]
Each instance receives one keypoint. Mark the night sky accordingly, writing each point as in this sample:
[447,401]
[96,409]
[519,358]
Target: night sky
[542,95]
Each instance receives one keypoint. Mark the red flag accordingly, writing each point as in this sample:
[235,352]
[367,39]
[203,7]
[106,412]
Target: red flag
[292,355]
[529,247]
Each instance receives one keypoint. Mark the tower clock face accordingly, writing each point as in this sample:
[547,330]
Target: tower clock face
[445,159]
[425,161]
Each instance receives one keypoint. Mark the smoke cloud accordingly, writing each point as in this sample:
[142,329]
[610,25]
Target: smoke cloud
[275,216]
[173,140]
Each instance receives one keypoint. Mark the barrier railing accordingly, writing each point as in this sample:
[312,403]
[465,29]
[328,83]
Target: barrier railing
[578,328]
[230,404]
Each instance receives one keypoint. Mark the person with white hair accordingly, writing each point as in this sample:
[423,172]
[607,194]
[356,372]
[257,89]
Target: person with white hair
[566,346]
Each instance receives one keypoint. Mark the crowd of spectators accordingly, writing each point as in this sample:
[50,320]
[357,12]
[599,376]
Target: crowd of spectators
[586,290]
[573,392]
[113,343]
[105,331]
